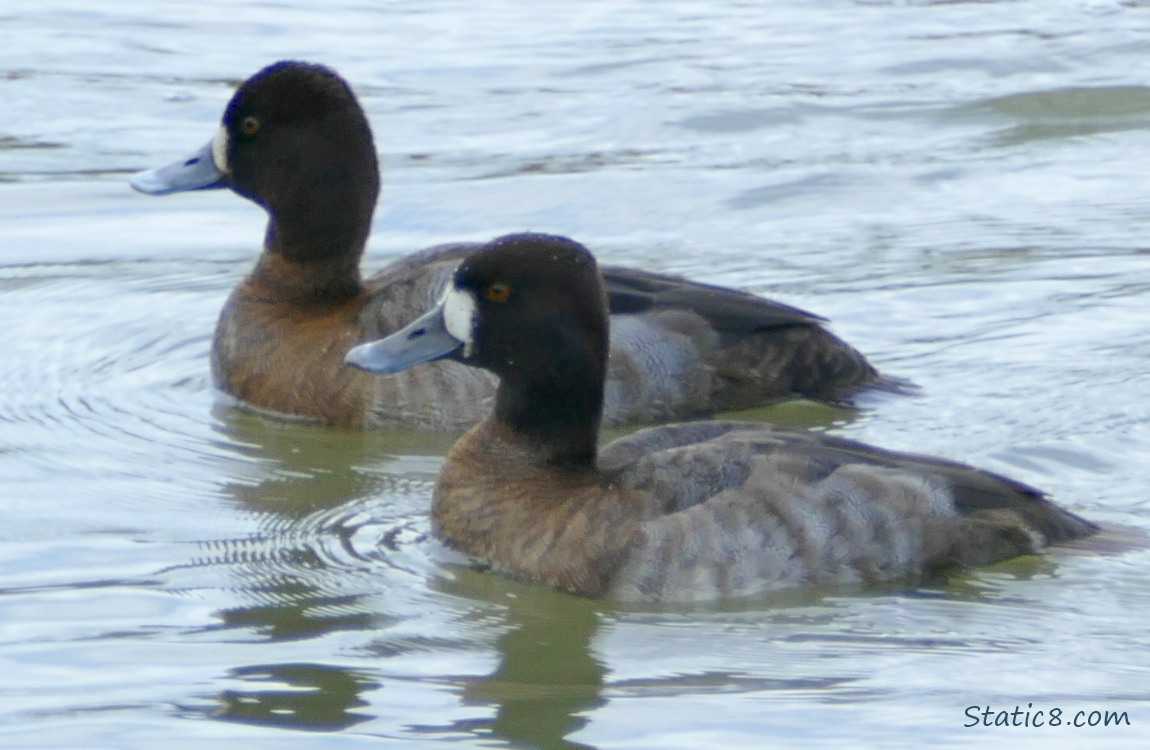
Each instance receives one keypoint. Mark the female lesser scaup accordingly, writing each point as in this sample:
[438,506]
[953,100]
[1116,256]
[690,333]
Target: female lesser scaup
[295,140]
[678,512]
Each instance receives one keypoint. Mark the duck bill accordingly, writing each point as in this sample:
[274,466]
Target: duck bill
[197,172]
[424,340]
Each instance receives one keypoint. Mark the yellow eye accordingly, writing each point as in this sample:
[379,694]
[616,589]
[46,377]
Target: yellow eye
[497,293]
[250,125]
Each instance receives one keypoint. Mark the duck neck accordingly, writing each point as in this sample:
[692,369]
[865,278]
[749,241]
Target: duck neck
[318,229]
[321,281]
[558,417]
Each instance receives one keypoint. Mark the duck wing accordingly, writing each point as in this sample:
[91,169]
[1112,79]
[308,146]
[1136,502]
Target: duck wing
[737,507]
[685,451]
[631,291]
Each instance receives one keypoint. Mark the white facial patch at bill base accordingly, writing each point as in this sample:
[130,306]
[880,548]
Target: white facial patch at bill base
[220,150]
[459,316]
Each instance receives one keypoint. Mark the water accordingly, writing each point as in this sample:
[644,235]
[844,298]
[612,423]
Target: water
[959,186]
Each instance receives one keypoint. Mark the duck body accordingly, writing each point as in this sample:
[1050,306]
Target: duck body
[667,361]
[709,510]
[679,512]
[295,140]
[285,356]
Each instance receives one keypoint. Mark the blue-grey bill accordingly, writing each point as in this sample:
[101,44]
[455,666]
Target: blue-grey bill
[425,340]
[197,172]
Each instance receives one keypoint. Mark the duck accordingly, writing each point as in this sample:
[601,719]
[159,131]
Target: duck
[679,512]
[295,140]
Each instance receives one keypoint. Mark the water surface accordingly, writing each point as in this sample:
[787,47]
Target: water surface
[960,187]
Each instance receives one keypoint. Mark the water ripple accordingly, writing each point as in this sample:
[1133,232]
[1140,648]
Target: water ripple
[107,375]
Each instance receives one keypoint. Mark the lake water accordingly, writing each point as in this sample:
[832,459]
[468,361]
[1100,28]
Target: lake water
[961,187]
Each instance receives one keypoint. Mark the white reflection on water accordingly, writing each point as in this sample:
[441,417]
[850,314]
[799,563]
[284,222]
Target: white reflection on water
[956,185]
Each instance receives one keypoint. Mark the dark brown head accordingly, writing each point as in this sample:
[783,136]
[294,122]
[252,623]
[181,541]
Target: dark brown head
[295,140]
[532,309]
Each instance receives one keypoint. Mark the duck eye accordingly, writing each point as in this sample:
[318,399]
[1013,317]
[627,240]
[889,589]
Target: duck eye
[497,293]
[250,125]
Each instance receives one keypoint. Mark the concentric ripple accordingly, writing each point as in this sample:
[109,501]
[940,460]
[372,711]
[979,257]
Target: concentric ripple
[106,372]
